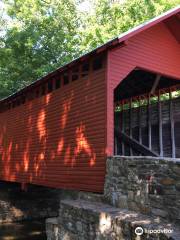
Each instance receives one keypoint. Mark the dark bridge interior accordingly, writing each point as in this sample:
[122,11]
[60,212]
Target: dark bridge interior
[147,117]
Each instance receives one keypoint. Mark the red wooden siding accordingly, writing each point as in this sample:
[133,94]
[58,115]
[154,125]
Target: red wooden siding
[58,140]
[62,139]
[154,49]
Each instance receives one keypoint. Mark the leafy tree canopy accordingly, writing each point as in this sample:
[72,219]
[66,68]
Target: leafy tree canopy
[37,36]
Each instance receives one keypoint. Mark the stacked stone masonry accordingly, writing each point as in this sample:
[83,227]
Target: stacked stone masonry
[139,191]
[84,220]
[145,184]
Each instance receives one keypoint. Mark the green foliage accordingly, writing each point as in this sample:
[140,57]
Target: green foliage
[37,36]
[111,19]
[41,37]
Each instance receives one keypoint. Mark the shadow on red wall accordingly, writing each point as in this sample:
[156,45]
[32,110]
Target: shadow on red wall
[57,140]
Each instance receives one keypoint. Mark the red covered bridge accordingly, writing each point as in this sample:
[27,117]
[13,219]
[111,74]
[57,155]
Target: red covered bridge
[58,131]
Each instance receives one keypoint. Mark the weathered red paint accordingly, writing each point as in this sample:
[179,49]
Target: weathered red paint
[62,139]
[57,140]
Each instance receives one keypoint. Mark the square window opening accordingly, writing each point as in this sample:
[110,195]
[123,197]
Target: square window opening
[97,63]
[75,74]
[65,79]
[58,83]
[50,86]
[85,69]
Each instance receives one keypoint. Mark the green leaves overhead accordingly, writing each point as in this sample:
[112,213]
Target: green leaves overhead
[37,36]
[41,36]
[109,20]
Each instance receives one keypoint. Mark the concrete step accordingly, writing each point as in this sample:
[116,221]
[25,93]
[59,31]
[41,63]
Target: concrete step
[86,220]
[80,195]
[91,197]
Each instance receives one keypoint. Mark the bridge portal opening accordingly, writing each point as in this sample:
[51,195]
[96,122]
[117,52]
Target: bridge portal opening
[147,116]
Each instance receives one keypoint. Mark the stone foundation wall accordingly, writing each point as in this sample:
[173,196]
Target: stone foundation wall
[88,220]
[139,192]
[144,184]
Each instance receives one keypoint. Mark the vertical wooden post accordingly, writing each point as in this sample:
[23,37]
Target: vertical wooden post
[173,147]
[24,186]
[149,123]
[140,130]
[160,125]
[115,145]
[115,138]
[130,123]
[123,147]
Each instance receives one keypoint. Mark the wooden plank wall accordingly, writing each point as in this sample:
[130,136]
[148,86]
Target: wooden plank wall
[155,125]
[58,139]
